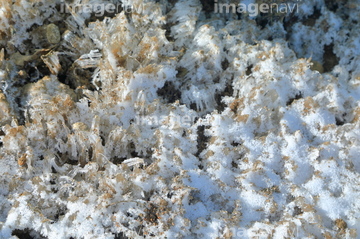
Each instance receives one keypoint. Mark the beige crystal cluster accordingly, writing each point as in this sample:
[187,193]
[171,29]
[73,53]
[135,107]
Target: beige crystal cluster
[173,121]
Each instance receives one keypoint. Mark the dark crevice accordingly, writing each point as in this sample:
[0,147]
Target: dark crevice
[332,5]
[249,70]
[65,61]
[234,164]
[2,132]
[288,23]
[132,150]
[64,158]
[90,151]
[202,141]
[330,59]
[148,194]
[26,234]
[296,97]
[118,160]
[77,77]
[73,75]
[35,73]
[168,34]
[340,120]
[297,211]
[102,140]
[61,212]
[225,64]
[235,144]
[311,20]
[228,91]
[53,170]
[131,153]
[193,106]
[21,109]
[169,92]
[208,7]
[262,20]
[169,195]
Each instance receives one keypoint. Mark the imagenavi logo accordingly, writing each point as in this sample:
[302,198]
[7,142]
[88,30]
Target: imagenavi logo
[254,9]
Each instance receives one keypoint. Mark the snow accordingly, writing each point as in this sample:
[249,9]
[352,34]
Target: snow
[178,122]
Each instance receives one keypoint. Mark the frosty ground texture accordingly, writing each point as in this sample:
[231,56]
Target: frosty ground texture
[178,122]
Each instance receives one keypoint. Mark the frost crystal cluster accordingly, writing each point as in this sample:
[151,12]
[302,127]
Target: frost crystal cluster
[175,121]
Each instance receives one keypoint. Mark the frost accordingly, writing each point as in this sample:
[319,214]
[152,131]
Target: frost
[174,121]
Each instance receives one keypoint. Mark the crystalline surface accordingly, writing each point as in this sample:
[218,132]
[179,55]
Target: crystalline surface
[172,120]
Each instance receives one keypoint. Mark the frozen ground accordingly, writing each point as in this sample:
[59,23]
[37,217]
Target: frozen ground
[174,121]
